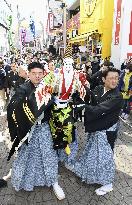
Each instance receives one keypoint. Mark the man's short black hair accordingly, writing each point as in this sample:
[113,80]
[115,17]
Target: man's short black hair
[108,63]
[1,62]
[35,65]
[50,61]
[110,69]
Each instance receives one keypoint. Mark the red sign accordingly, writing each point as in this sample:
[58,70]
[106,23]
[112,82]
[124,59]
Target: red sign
[74,22]
[118,18]
[51,21]
[130,34]
[129,55]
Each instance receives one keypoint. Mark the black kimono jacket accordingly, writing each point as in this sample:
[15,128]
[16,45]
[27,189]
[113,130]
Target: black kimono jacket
[103,111]
[22,113]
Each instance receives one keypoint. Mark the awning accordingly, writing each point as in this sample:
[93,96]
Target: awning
[81,38]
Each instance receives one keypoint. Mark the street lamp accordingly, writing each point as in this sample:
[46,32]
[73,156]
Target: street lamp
[64,22]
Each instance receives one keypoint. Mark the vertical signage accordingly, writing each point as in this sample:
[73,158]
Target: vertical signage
[118,19]
[130,34]
[129,55]
[51,21]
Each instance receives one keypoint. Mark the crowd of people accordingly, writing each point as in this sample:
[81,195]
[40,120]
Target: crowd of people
[44,97]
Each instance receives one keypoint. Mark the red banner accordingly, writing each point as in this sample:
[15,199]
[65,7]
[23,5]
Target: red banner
[51,21]
[118,18]
[74,22]
[129,55]
[130,34]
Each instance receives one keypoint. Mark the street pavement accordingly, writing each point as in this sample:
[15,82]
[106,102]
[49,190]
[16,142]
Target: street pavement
[77,193]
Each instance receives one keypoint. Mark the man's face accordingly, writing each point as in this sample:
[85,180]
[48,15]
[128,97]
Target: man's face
[23,72]
[88,64]
[36,75]
[68,65]
[127,70]
[103,68]
[35,59]
[51,66]
[111,80]
[13,67]
[28,60]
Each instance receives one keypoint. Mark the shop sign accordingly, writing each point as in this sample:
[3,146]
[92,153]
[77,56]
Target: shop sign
[118,19]
[89,6]
[51,21]
[129,55]
[130,34]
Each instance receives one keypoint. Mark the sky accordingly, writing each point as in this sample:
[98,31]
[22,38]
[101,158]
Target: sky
[70,1]
[27,6]
[33,8]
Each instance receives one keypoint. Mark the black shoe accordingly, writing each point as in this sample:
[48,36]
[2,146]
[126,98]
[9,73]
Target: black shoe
[3,183]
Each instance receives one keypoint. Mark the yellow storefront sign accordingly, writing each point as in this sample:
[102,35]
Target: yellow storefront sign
[80,38]
[96,16]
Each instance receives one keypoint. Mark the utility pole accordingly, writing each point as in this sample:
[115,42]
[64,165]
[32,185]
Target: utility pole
[64,24]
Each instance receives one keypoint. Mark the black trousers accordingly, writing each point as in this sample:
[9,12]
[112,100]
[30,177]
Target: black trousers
[111,137]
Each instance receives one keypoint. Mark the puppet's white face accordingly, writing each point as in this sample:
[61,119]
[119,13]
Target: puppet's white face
[68,64]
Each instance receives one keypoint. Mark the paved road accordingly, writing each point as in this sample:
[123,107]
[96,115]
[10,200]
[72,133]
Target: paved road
[77,193]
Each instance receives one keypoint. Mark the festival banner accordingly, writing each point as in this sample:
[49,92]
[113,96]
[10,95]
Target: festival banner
[23,36]
[130,34]
[51,21]
[32,26]
[9,22]
[118,19]
[74,22]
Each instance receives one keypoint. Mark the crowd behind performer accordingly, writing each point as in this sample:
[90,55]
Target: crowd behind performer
[11,78]
[23,75]
[51,65]
[96,163]
[125,86]
[96,78]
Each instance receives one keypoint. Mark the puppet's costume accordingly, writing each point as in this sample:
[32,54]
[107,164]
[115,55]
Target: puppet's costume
[62,122]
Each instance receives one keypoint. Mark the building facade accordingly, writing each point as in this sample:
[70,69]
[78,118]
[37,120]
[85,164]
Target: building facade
[96,22]
[5,12]
[121,48]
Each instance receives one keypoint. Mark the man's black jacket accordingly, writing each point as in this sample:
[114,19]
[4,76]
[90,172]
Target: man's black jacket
[104,109]
[18,121]
[11,79]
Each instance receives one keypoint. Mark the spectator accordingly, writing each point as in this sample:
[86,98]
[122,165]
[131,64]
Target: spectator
[96,78]
[23,75]
[2,88]
[11,79]
[95,65]
[125,86]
